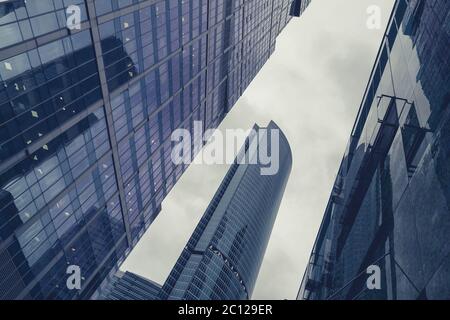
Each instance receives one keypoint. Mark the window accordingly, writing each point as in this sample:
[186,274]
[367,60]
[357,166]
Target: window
[44,24]
[414,143]
[102,7]
[51,51]
[35,7]
[14,66]
[9,34]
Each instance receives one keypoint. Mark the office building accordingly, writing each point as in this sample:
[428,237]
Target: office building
[130,286]
[222,258]
[385,231]
[86,116]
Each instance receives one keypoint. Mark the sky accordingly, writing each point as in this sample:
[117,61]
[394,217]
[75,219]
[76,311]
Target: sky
[312,88]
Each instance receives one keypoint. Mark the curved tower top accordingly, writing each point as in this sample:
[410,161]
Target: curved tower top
[223,256]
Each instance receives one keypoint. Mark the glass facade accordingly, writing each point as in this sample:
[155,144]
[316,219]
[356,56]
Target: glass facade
[222,258]
[129,286]
[86,117]
[390,205]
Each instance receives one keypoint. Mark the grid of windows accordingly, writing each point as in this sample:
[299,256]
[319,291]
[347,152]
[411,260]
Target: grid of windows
[86,117]
[222,258]
[22,20]
[128,286]
[45,87]
[54,194]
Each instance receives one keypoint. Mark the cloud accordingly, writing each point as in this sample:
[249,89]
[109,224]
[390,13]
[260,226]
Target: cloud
[312,87]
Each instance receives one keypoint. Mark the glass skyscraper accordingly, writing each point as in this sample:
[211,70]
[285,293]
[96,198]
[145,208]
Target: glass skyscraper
[86,117]
[390,205]
[222,258]
[130,286]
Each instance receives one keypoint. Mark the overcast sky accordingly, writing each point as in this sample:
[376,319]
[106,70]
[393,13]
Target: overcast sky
[312,87]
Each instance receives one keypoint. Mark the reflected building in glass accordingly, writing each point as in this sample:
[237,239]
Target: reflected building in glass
[221,260]
[86,117]
[390,205]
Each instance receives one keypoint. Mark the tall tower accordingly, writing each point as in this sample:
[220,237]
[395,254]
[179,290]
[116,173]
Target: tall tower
[86,114]
[222,258]
[389,211]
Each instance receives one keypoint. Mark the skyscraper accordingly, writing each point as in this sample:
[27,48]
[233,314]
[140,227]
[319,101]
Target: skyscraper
[222,258]
[130,286]
[86,116]
[388,217]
